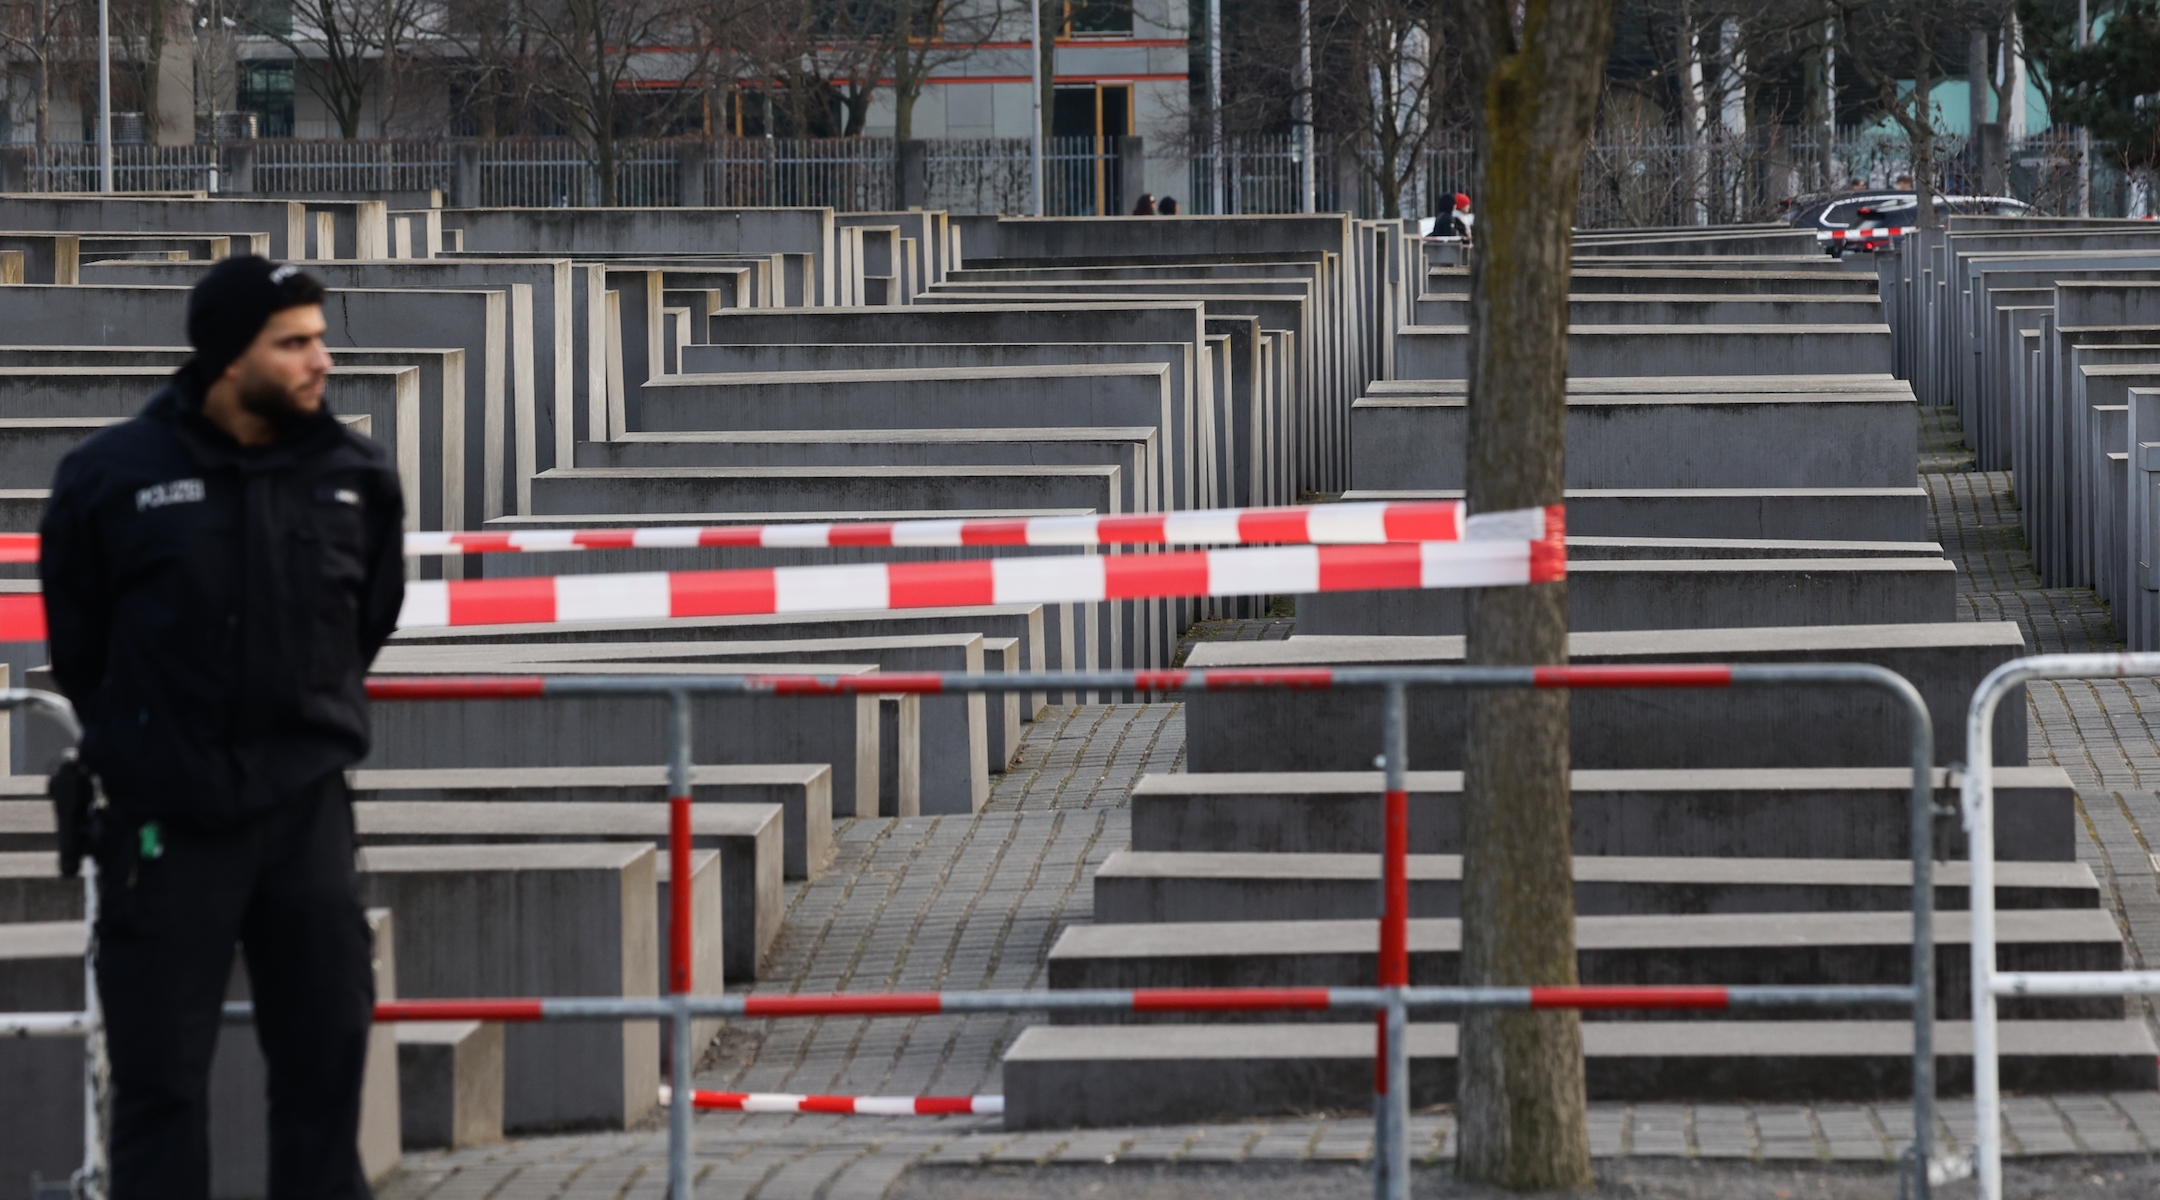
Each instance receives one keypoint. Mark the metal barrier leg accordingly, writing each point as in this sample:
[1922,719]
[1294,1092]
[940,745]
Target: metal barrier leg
[1978,800]
[681,950]
[89,1182]
[1396,1146]
[1391,1103]
[1923,952]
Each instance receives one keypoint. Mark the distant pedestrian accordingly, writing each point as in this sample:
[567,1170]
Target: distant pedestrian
[1168,207]
[219,571]
[1146,206]
[1462,221]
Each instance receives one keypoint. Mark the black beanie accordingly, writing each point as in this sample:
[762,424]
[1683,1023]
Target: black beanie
[232,303]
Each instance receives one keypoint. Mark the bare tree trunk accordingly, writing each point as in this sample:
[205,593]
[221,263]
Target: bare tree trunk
[1826,97]
[1922,137]
[906,81]
[1050,26]
[1693,119]
[1520,1085]
[42,102]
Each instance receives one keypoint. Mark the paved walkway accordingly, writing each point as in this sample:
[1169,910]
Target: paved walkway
[944,902]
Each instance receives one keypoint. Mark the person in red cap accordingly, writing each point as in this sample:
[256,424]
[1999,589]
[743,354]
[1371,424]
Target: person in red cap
[1462,220]
[218,573]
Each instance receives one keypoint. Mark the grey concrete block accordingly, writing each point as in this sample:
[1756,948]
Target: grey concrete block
[1022,623]
[570,920]
[1141,887]
[1754,308]
[1735,948]
[1844,727]
[450,1083]
[31,446]
[1440,352]
[1739,438]
[1003,655]
[283,220]
[1058,1076]
[748,897]
[1609,549]
[1684,594]
[952,741]
[1131,450]
[709,935]
[1896,514]
[613,731]
[1835,812]
[618,490]
[802,792]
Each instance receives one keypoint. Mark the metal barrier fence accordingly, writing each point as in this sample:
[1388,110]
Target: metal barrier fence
[1989,984]
[1392,998]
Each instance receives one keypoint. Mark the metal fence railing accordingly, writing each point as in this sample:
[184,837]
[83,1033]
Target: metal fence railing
[73,167]
[1393,998]
[1990,982]
[1083,176]
[1264,174]
[1631,176]
[847,174]
[372,166]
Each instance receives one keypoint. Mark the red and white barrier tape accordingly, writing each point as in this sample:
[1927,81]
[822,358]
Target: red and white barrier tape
[1329,524]
[860,1106]
[1323,524]
[1861,235]
[1500,549]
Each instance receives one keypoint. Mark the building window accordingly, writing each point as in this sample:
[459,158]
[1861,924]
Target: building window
[270,18]
[1098,18]
[266,89]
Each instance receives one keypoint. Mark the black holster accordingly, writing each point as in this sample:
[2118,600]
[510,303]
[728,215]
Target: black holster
[74,795]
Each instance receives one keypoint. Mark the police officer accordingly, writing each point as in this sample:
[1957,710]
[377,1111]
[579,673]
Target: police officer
[218,573]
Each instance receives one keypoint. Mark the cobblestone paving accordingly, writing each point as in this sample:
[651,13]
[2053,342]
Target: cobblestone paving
[943,902]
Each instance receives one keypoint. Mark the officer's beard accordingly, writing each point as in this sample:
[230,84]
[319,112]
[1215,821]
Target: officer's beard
[274,403]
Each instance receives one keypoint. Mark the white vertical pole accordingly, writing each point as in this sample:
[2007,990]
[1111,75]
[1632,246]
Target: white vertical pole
[1978,802]
[1309,201]
[1035,134]
[1214,104]
[104,92]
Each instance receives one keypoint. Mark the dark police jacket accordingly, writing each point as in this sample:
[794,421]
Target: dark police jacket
[212,609]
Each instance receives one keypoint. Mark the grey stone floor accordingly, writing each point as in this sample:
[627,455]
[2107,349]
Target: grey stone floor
[944,902]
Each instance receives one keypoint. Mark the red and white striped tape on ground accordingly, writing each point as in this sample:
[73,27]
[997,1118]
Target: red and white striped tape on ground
[861,1106]
[1499,550]
[1323,524]
[1861,235]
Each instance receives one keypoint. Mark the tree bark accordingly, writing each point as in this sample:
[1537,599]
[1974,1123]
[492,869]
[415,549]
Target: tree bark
[43,115]
[1520,1086]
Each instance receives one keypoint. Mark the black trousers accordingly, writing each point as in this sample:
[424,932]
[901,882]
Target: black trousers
[283,888]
